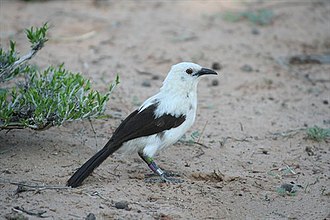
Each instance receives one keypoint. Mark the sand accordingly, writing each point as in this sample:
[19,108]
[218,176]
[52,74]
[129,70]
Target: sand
[249,137]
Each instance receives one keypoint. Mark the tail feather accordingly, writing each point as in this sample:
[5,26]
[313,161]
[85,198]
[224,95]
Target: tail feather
[87,168]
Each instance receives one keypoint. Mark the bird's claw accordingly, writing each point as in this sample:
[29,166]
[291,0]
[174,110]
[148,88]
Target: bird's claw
[165,173]
[166,177]
[169,179]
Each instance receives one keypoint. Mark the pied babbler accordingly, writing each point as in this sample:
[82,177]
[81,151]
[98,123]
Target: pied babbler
[158,123]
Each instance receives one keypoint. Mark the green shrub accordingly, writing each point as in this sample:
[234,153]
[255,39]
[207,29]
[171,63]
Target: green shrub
[318,134]
[44,98]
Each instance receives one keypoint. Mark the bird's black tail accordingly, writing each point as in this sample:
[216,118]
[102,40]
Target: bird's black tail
[87,168]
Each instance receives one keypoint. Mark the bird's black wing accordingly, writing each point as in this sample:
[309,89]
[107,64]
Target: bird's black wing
[144,123]
[137,124]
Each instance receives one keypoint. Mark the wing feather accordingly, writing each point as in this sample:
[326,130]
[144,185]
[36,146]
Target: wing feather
[144,123]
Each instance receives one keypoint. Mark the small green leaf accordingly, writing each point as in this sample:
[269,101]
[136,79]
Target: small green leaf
[318,134]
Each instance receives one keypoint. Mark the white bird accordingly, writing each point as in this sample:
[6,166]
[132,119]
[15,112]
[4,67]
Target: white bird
[158,123]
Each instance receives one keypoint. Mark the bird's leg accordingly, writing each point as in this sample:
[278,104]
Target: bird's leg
[164,176]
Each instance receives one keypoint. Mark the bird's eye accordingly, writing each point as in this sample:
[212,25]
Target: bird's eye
[189,71]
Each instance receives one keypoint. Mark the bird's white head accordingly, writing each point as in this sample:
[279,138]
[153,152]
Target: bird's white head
[178,95]
[185,75]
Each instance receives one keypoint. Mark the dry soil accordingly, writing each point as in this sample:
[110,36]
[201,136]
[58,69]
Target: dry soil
[250,134]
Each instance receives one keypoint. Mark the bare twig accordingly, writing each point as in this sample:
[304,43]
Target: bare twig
[32,53]
[241,126]
[288,133]
[224,140]
[279,4]
[96,193]
[200,144]
[30,212]
[84,36]
[4,151]
[26,57]
[27,187]
[114,171]
[199,154]
[200,136]
[91,123]
[193,142]
[305,59]
[311,184]
[143,72]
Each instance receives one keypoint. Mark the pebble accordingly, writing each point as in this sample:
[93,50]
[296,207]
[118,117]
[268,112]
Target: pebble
[309,150]
[247,68]
[155,77]
[216,66]
[90,216]
[288,187]
[121,205]
[255,31]
[215,82]
[146,83]
[265,151]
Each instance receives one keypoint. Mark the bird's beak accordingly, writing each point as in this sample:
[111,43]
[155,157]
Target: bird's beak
[205,71]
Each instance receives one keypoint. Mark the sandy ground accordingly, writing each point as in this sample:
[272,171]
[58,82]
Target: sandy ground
[250,118]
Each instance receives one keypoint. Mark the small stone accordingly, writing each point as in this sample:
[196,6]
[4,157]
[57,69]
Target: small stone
[216,66]
[121,205]
[326,121]
[288,188]
[309,150]
[6,172]
[164,217]
[246,68]
[215,82]
[146,83]
[155,77]
[325,102]
[265,151]
[90,216]
[255,31]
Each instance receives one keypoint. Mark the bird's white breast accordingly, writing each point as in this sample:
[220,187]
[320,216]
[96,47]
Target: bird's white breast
[175,106]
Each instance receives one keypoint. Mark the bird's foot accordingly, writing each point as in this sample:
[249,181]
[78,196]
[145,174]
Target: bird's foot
[167,173]
[166,177]
[170,179]
[159,175]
